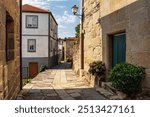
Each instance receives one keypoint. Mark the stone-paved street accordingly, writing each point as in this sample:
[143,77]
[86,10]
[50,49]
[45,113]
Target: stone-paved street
[59,83]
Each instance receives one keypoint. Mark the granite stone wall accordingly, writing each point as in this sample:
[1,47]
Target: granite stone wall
[9,69]
[133,18]
[76,60]
[92,35]
[104,18]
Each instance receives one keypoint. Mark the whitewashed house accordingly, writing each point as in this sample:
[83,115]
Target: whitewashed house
[39,40]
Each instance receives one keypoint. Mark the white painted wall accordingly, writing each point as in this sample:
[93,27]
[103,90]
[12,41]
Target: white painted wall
[41,46]
[42,24]
[41,41]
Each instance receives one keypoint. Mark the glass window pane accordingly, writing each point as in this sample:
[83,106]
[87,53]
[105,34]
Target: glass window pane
[32,45]
[32,21]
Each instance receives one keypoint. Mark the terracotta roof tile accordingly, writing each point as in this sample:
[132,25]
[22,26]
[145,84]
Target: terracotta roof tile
[30,8]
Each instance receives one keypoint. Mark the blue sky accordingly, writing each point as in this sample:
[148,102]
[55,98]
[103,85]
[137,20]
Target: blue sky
[61,10]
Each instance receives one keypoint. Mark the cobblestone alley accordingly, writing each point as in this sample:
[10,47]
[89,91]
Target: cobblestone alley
[59,83]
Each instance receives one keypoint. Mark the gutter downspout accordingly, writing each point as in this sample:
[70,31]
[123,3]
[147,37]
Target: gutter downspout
[82,40]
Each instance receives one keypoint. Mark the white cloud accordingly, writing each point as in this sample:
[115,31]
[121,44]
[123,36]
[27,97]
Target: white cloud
[36,2]
[61,7]
[66,18]
[57,0]
[40,2]
[65,21]
[45,4]
[62,26]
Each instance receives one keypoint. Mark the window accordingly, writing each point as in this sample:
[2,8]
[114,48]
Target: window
[9,38]
[31,45]
[32,21]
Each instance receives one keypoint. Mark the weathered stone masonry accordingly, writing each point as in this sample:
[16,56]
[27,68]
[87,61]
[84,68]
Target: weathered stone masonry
[9,49]
[131,17]
[102,19]
[76,59]
[92,35]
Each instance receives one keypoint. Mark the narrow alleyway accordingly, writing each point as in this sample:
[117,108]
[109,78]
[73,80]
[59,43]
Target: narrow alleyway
[59,83]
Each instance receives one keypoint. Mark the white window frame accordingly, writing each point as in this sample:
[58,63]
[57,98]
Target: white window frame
[31,21]
[33,48]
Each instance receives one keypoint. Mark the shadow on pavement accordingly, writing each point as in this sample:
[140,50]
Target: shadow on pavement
[63,65]
[60,94]
[59,83]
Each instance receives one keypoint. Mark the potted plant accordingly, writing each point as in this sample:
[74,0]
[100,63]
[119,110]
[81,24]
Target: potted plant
[97,69]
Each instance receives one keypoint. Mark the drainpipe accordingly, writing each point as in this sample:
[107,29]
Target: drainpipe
[20,44]
[82,40]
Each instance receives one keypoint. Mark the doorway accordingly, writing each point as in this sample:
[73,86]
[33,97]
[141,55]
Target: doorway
[118,48]
[33,69]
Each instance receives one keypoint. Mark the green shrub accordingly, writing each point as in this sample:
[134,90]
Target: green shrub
[127,78]
[43,68]
[26,81]
[97,68]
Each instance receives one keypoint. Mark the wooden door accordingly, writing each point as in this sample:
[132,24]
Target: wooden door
[33,69]
[119,49]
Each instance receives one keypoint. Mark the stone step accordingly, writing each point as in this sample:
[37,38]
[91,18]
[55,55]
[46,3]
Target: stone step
[104,92]
[108,86]
[117,95]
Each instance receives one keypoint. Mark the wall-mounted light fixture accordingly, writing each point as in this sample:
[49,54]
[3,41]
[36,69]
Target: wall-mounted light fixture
[75,10]
[81,43]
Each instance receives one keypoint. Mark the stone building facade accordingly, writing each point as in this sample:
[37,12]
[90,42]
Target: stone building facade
[91,38]
[131,17]
[68,47]
[76,60]
[60,50]
[9,49]
[39,40]
[106,21]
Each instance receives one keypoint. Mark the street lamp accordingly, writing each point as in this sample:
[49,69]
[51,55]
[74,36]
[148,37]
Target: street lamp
[75,10]
[81,16]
